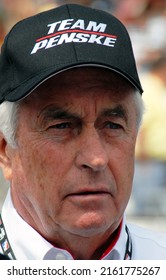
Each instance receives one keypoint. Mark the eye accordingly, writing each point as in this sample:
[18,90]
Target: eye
[112,125]
[63,125]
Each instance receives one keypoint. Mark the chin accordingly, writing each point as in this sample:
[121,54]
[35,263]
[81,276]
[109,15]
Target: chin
[91,227]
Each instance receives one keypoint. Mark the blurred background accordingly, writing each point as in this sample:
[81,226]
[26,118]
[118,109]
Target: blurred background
[146,24]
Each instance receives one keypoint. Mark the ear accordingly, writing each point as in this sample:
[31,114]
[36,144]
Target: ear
[5,160]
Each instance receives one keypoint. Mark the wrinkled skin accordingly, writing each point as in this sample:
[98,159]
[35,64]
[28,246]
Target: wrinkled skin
[71,174]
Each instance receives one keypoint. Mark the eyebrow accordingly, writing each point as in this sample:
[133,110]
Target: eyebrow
[118,111]
[58,113]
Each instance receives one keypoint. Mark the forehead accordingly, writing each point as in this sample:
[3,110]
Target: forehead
[81,83]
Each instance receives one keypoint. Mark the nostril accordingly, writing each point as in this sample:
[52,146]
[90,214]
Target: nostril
[85,166]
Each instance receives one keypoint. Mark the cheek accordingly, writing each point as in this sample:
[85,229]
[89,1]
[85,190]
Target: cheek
[122,166]
[47,164]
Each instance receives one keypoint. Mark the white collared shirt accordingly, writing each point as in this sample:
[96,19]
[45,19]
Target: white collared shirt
[28,244]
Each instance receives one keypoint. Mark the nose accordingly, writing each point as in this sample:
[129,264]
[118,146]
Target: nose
[92,152]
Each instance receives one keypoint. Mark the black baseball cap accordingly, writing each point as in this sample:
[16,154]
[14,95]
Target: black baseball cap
[53,41]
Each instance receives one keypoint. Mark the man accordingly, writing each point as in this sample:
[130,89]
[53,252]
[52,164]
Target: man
[70,112]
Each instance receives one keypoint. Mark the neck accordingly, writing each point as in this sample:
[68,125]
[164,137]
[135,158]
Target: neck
[90,248]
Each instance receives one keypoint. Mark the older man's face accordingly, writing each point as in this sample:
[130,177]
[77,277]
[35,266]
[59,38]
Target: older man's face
[72,171]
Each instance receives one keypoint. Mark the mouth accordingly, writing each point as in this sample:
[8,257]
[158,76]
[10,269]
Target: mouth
[89,199]
[85,193]
[89,193]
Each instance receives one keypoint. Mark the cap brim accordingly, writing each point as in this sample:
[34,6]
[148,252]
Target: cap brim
[26,88]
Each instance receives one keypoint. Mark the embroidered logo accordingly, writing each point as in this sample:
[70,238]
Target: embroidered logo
[68,31]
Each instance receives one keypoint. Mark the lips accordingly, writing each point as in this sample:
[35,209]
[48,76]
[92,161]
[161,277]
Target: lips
[90,191]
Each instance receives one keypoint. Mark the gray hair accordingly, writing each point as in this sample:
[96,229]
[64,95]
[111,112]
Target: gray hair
[9,115]
[140,109]
[9,121]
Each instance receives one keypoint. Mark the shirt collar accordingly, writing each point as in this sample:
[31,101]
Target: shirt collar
[27,243]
